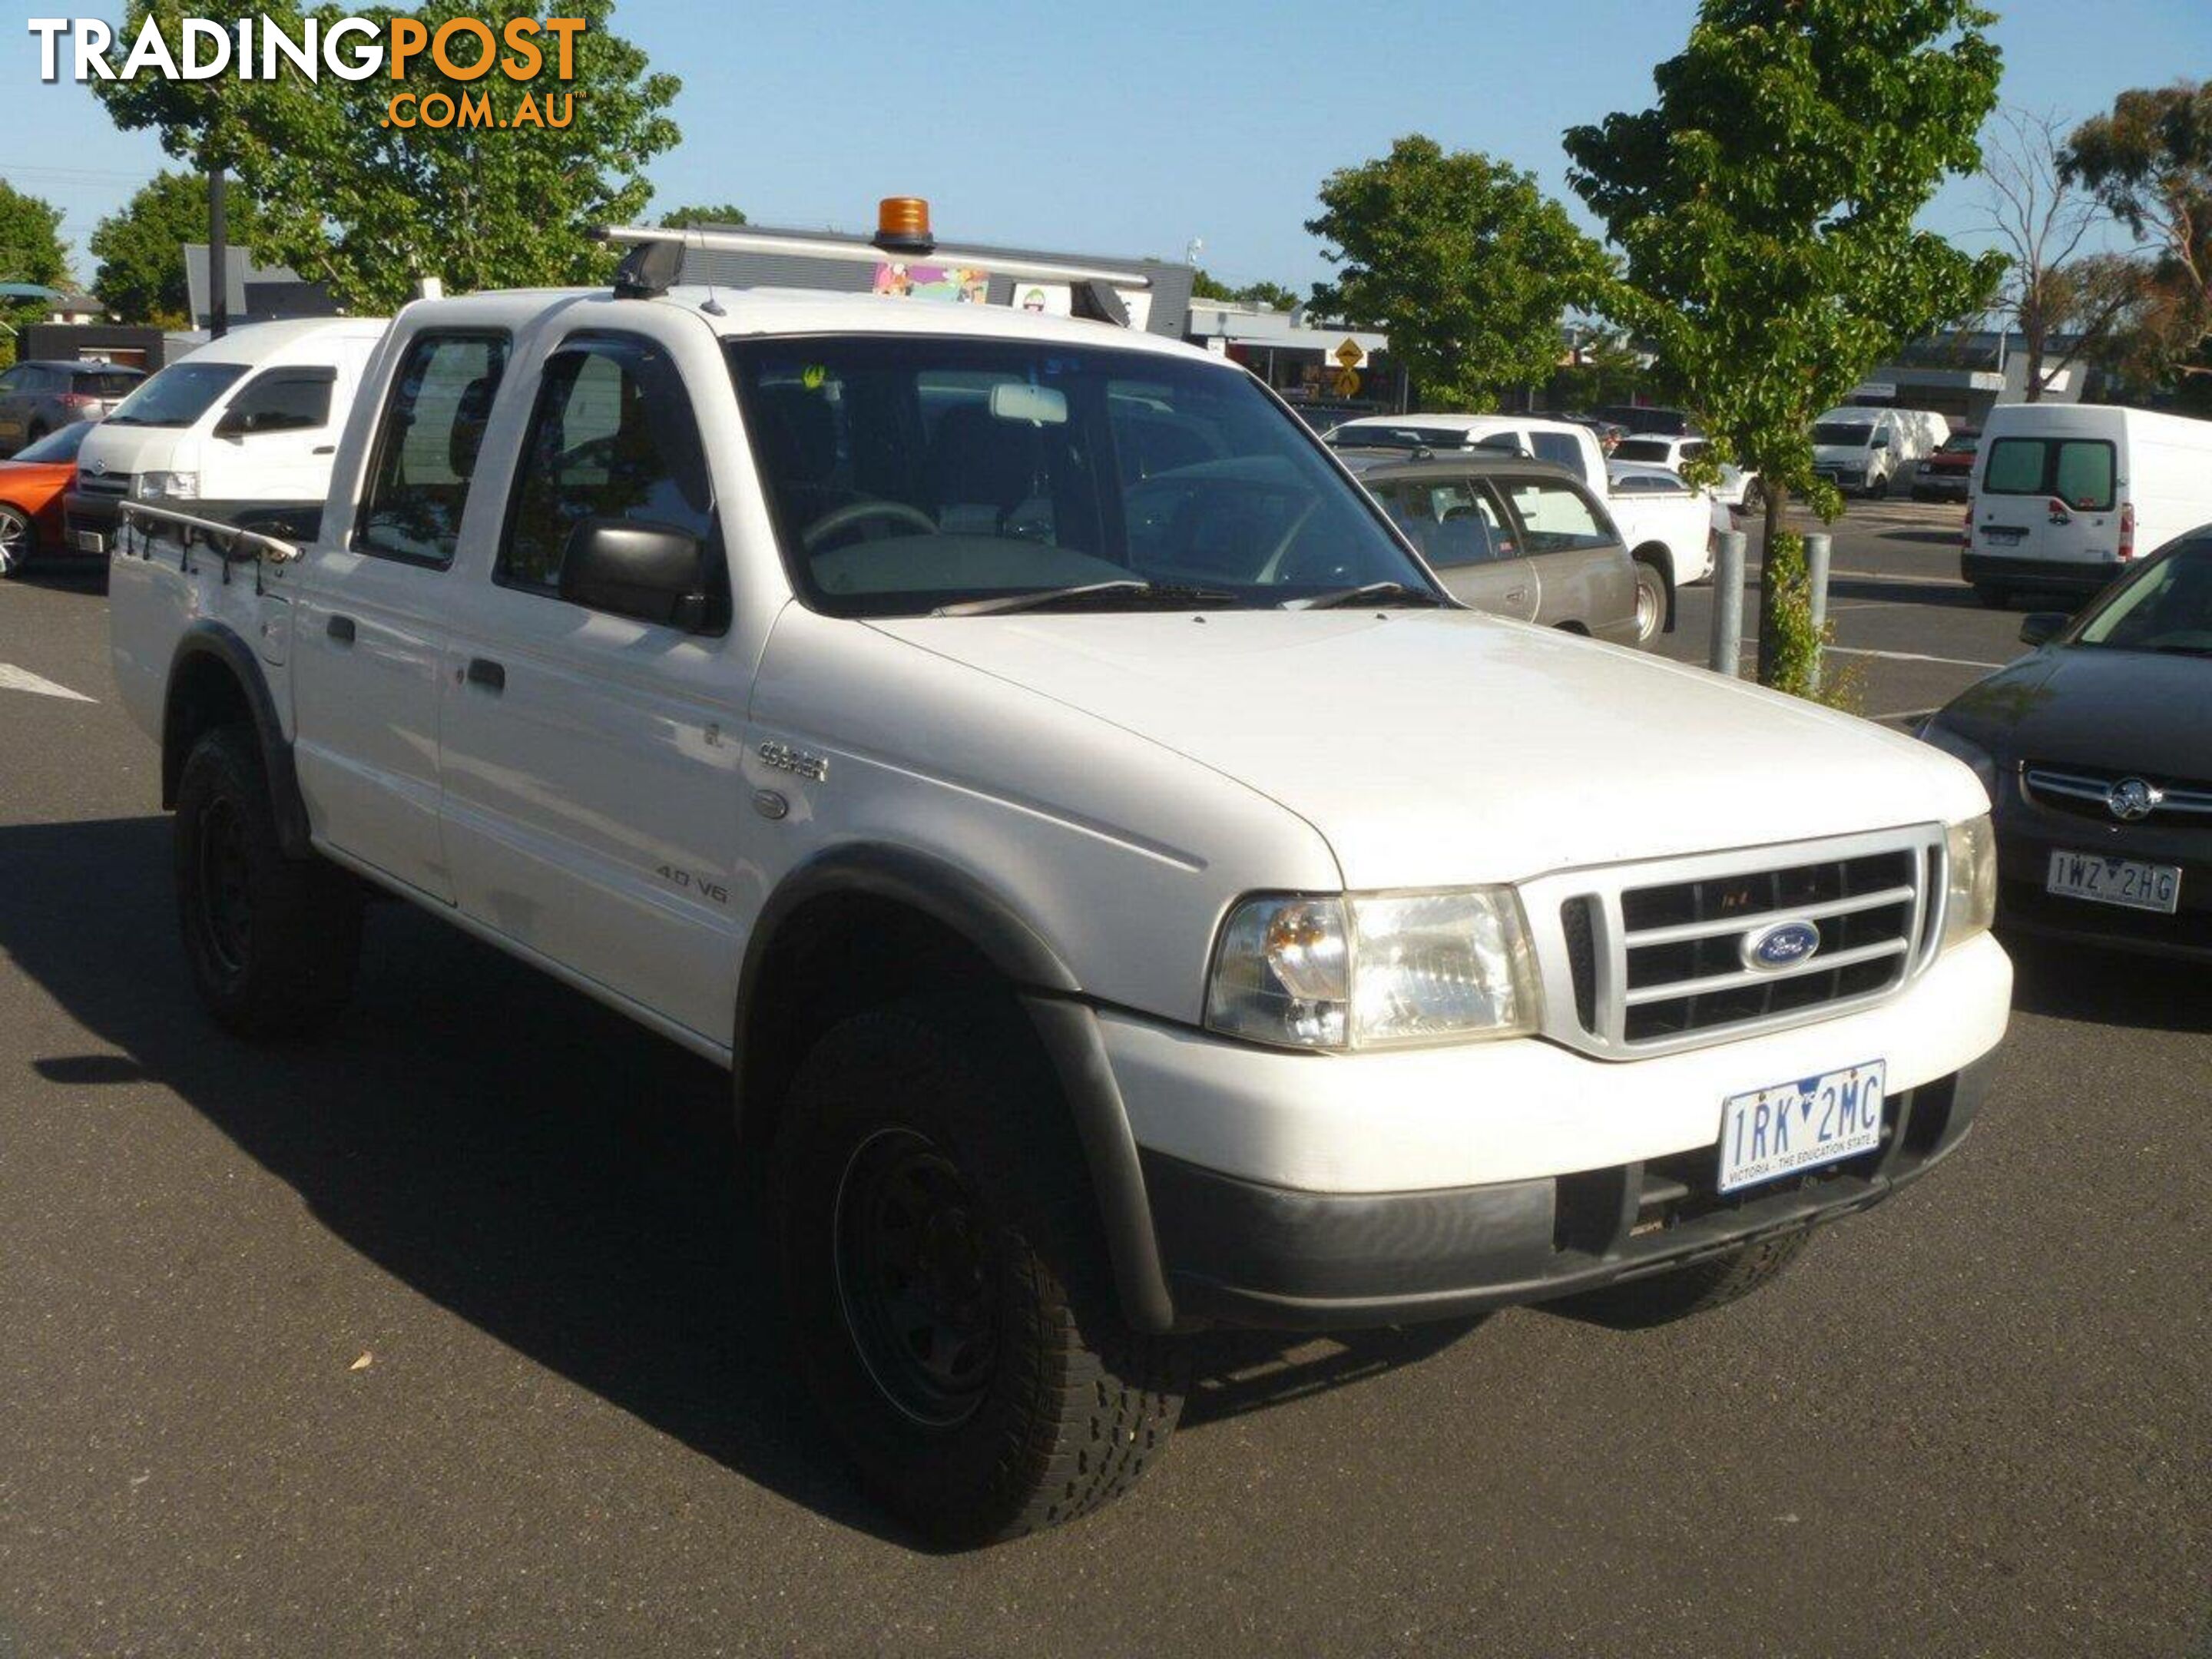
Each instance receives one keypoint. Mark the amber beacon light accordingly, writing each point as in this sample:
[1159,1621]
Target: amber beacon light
[903,225]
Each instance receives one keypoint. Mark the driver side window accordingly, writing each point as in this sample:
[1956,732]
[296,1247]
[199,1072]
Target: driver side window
[612,436]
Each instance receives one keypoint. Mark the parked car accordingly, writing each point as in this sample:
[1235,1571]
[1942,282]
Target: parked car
[1948,474]
[253,418]
[1867,450]
[1671,532]
[30,488]
[1737,489]
[2064,494]
[1518,538]
[2097,754]
[39,398]
[1128,894]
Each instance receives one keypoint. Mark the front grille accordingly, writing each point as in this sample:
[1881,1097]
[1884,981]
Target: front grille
[2087,791]
[1655,958]
[106,483]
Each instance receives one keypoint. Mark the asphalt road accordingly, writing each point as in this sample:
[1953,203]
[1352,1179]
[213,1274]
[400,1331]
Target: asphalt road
[452,1333]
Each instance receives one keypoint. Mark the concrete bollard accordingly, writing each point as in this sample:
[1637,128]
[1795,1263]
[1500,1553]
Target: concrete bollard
[1817,549]
[1727,655]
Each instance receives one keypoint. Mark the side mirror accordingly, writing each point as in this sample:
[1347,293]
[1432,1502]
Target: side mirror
[1880,440]
[648,571]
[2041,627]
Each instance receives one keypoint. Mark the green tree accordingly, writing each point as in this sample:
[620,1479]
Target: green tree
[31,251]
[1766,206]
[1273,295]
[140,248]
[683,217]
[2150,162]
[1462,260]
[350,199]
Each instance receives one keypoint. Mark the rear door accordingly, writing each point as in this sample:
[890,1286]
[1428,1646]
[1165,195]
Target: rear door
[1584,572]
[1465,535]
[369,640]
[2049,497]
[106,387]
[591,759]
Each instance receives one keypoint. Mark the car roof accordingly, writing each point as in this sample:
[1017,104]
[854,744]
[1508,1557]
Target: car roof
[253,343]
[745,312]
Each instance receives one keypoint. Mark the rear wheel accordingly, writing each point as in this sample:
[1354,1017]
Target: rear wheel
[1650,602]
[947,1289]
[19,541]
[1755,499]
[272,941]
[1663,1298]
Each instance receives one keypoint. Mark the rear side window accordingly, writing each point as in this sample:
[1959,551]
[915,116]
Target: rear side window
[1455,524]
[612,436]
[427,441]
[1557,517]
[284,400]
[1558,447]
[2080,471]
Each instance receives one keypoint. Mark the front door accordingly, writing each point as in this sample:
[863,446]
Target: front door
[369,631]
[1467,540]
[274,441]
[591,759]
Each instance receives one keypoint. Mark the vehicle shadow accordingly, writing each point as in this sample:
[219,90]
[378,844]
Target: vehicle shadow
[1945,596]
[536,1163]
[2063,981]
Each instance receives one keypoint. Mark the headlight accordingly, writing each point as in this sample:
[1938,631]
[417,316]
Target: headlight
[168,486]
[1984,763]
[1375,970]
[1970,904]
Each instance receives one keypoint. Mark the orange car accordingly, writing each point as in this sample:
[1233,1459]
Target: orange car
[30,488]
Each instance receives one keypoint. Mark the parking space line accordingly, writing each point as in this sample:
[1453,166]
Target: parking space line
[12,678]
[1913,656]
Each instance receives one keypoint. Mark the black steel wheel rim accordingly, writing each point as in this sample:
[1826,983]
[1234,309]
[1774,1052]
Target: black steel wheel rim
[916,1278]
[225,900]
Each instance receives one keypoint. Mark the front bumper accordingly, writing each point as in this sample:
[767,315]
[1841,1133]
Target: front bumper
[1318,1189]
[85,514]
[1239,1253]
[1940,487]
[2028,833]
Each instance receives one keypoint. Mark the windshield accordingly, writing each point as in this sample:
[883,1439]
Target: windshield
[177,396]
[106,382]
[1960,443]
[908,473]
[2168,607]
[1644,449]
[1843,435]
[57,447]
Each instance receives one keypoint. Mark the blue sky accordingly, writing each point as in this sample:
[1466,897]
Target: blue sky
[1133,128]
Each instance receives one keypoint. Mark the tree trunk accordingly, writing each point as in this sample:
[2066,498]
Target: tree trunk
[1778,506]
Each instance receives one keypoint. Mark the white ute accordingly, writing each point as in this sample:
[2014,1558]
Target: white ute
[1129,894]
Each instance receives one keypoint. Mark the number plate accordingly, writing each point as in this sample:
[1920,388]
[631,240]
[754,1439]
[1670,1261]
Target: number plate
[1789,1126]
[2003,535]
[2124,882]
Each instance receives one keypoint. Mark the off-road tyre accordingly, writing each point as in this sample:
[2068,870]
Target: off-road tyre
[1641,1303]
[272,942]
[940,1113]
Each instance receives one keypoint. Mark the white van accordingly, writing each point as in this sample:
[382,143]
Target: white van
[2065,495]
[1868,449]
[252,417]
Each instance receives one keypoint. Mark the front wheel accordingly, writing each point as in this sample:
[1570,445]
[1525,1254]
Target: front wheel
[272,941]
[1662,1299]
[1755,499]
[1650,602]
[19,541]
[1877,488]
[947,1289]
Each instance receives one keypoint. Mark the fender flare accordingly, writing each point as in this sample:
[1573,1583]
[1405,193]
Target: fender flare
[1047,990]
[207,638]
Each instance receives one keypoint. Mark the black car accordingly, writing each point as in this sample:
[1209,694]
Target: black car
[2097,753]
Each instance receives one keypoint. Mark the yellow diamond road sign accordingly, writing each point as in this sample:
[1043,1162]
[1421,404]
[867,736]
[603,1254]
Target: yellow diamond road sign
[1351,353]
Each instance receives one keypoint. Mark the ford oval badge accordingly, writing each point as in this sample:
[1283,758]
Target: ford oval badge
[1785,945]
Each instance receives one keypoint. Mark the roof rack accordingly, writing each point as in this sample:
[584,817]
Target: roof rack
[903,235]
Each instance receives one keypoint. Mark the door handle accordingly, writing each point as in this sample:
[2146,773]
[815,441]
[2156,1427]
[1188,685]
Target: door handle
[340,628]
[325,449]
[1514,595]
[487,673]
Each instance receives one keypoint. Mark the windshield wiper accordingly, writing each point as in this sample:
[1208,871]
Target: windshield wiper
[1364,594]
[1052,599]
